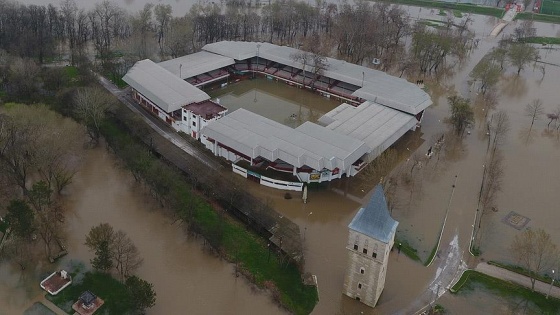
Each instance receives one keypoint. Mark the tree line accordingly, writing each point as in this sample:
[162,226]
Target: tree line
[357,32]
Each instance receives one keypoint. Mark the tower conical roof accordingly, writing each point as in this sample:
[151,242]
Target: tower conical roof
[374,219]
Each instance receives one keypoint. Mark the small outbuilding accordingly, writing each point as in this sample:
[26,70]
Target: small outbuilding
[87,303]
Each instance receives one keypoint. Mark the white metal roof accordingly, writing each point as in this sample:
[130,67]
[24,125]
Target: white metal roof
[378,126]
[375,86]
[309,144]
[161,87]
[194,64]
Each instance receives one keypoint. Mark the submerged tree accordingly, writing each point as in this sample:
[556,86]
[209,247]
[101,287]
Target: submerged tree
[125,255]
[91,106]
[142,294]
[520,54]
[102,260]
[99,234]
[114,246]
[20,218]
[462,114]
[488,73]
[534,110]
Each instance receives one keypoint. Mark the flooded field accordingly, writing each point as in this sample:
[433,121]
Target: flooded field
[529,186]
[104,193]
[275,100]
[187,280]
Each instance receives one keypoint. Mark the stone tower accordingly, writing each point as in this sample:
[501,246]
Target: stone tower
[371,236]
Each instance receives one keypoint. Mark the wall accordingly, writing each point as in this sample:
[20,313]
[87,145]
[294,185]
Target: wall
[269,182]
[372,279]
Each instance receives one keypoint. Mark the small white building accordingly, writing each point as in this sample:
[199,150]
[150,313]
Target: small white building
[371,237]
[197,116]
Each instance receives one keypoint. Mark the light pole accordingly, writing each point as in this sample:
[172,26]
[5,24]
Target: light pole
[268,259]
[305,228]
[258,49]
[363,77]
[551,284]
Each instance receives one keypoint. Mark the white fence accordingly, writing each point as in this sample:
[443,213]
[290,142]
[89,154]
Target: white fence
[269,182]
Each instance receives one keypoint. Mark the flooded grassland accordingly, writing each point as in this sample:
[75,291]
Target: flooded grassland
[186,278]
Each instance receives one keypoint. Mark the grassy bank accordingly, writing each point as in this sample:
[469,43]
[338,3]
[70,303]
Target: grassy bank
[407,249]
[538,17]
[472,280]
[229,237]
[457,8]
[523,271]
[113,292]
[542,40]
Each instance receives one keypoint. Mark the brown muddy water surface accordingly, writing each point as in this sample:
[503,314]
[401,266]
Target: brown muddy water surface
[274,100]
[187,280]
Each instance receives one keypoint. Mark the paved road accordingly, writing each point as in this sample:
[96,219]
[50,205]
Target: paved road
[157,124]
[514,277]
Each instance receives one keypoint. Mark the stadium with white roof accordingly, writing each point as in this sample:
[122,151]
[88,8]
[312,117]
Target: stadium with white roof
[377,110]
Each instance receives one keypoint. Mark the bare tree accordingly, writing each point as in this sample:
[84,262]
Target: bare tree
[535,251]
[18,250]
[553,116]
[305,59]
[36,141]
[492,175]
[381,170]
[163,16]
[498,129]
[125,255]
[91,105]
[462,114]
[534,110]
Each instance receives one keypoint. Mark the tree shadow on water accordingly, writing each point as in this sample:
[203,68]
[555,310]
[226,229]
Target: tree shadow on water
[513,86]
[553,134]
[527,135]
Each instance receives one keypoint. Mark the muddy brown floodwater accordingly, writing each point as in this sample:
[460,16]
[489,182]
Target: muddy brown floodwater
[187,280]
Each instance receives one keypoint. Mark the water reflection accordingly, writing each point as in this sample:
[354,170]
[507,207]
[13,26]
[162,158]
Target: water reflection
[187,279]
[278,101]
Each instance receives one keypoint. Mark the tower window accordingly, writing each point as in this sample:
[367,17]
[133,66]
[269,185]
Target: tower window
[359,285]
[374,255]
[355,246]
[364,250]
[362,270]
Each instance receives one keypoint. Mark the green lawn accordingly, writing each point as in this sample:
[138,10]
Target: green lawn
[459,7]
[538,17]
[118,81]
[71,72]
[522,271]
[542,40]
[104,286]
[407,249]
[472,280]
[550,7]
